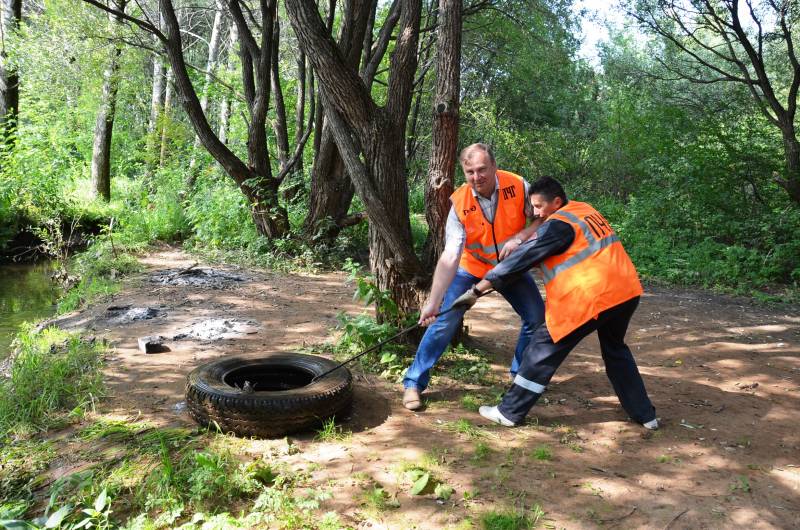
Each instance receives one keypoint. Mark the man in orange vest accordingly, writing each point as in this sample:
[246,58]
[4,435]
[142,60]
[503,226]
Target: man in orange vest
[487,222]
[591,285]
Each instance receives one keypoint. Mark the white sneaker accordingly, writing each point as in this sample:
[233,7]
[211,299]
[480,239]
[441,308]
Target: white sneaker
[651,425]
[493,414]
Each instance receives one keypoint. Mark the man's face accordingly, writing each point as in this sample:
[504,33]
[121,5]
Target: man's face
[544,208]
[480,172]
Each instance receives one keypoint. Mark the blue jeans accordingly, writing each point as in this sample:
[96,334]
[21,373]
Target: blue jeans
[522,294]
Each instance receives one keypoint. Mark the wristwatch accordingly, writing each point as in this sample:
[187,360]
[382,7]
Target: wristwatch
[517,240]
[476,291]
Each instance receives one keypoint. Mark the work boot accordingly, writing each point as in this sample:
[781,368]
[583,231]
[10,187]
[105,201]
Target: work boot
[411,399]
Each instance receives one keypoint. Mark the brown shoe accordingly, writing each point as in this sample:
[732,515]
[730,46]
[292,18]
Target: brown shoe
[411,399]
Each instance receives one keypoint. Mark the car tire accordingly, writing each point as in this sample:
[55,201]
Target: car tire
[267,396]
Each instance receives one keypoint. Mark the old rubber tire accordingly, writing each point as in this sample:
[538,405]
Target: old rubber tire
[214,397]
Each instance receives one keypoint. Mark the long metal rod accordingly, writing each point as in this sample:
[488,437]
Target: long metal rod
[390,339]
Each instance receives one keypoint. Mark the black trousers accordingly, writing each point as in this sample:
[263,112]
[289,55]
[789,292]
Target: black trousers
[542,358]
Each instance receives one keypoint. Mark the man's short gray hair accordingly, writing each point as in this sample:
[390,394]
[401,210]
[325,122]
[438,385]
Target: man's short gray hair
[466,153]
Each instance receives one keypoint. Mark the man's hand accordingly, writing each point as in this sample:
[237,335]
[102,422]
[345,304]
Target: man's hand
[510,246]
[466,300]
[428,313]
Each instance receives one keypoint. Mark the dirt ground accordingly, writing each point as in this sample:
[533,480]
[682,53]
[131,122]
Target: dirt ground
[723,373]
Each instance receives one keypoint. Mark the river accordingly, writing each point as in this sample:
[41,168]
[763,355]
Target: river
[26,294]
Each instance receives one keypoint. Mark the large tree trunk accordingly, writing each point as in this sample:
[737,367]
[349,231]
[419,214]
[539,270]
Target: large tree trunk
[280,124]
[104,124]
[10,15]
[331,188]
[331,193]
[442,168]
[791,149]
[371,140]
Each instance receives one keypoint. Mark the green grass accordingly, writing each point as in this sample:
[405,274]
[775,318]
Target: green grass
[87,291]
[508,520]
[377,499]
[543,452]
[464,426]
[330,432]
[22,463]
[55,372]
[482,451]
[467,365]
[471,402]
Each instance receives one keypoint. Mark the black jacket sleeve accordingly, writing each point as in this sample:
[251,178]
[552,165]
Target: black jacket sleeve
[553,237]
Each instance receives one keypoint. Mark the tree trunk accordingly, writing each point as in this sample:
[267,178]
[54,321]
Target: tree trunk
[10,15]
[300,105]
[331,190]
[157,95]
[791,149]
[280,124]
[370,140]
[227,103]
[104,125]
[331,193]
[211,65]
[442,167]
[162,158]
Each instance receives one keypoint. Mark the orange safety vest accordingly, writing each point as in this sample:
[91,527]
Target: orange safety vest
[592,275]
[485,239]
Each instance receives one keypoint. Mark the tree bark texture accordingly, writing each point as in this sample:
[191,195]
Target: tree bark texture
[169,79]
[104,124]
[370,140]
[441,171]
[227,103]
[10,16]
[331,191]
[217,29]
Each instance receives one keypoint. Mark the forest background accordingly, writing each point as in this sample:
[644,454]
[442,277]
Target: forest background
[301,136]
[678,146]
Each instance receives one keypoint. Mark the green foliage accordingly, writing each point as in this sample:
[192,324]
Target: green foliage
[482,451]
[22,462]
[53,372]
[543,452]
[330,432]
[220,216]
[512,520]
[468,365]
[362,332]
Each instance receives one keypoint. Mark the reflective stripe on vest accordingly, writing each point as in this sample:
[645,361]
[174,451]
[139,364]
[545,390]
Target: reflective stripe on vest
[594,274]
[485,240]
[595,246]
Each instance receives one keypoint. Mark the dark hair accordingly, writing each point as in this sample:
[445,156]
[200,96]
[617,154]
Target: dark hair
[549,188]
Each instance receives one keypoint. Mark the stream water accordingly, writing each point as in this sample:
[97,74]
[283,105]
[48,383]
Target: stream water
[26,294]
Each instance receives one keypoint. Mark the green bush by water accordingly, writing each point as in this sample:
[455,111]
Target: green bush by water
[54,372]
